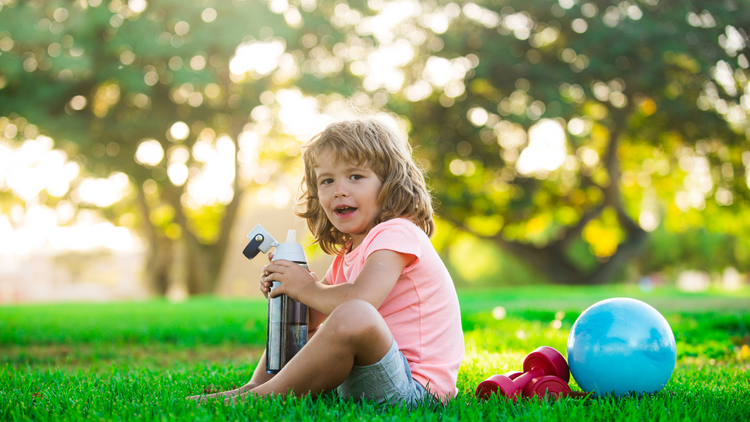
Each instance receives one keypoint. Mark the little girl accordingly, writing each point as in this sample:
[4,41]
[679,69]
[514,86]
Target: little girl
[392,328]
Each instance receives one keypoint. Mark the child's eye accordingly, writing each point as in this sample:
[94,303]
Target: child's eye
[356,176]
[326,181]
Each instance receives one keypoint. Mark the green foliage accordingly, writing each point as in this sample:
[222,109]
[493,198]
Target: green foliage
[476,262]
[101,78]
[698,249]
[632,86]
[205,222]
[645,93]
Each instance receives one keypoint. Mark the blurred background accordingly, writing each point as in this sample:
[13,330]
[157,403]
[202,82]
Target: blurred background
[570,142]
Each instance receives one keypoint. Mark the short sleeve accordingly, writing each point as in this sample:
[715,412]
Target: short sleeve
[398,235]
[333,270]
[329,275]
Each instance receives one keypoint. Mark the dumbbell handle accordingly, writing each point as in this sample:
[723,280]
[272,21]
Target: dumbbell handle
[526,377]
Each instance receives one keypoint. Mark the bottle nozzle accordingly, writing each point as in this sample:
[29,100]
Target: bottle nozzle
[291,237]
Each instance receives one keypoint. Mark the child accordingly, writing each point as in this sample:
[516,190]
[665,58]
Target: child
[392,328]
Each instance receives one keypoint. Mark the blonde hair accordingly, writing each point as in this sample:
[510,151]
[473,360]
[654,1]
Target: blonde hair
[372,143]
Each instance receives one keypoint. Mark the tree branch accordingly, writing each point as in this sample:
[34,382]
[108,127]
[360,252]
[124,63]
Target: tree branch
[550,261]
[576,230]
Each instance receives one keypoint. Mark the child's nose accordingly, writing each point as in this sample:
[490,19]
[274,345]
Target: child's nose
[340,191]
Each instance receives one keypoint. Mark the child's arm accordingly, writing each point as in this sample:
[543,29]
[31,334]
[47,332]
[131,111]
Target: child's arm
[373,284]
[315,319]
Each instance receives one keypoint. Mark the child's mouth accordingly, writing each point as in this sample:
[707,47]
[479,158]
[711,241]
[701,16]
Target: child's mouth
[344,211]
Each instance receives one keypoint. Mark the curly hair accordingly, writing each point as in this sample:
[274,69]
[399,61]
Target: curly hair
[372,143]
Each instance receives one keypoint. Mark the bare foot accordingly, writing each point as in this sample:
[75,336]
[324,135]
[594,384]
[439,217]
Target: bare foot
[238,398]
[230,396]
[202,398]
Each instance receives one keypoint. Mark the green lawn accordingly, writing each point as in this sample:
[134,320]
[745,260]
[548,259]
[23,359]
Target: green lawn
[138,360]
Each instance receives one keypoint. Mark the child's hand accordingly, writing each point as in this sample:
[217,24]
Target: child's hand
[265,287]
[293,278]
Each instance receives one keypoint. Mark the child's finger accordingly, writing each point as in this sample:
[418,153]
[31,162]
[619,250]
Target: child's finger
[271,268]
[263,286]
[277,267]
[280,288]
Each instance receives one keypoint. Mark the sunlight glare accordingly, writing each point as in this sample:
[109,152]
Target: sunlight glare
[447,74]
[384,26]
[546,150]
[384,66]
[438,22]
[179,131]
[6,235]
[178,170]
[35,166]
[478,116]
[149,153]
[40,217]
[299,114]
[418,91]
[104,192]
[87,236]
[258,57]
[214,183]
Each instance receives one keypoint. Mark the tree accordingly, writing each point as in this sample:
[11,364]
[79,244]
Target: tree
[548,124]
[563,131]
[167,83]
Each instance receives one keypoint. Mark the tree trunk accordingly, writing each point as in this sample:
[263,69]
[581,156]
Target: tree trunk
[159,252]
[205,260]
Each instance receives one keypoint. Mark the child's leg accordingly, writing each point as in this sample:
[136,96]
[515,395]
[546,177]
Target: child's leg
[354,334]
[259,377]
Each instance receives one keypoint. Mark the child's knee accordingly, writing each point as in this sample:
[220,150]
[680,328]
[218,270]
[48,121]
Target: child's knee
[356,309]
[356,317]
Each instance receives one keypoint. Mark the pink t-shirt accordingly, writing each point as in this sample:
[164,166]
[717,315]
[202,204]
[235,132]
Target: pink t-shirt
[422,310]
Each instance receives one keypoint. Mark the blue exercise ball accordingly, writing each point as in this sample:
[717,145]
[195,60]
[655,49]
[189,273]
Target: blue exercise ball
[621,345]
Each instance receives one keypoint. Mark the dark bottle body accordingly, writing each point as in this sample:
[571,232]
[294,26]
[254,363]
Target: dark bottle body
[287,329]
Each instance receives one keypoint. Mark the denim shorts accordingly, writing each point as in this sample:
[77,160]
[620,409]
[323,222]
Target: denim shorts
[388,381]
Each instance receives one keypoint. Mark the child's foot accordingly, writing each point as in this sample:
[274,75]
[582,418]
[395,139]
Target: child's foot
[228,395]
[240,397]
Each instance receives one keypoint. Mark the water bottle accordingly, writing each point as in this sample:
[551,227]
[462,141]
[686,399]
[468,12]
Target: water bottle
[287,318]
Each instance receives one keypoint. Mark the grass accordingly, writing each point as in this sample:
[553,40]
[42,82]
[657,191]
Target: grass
[138,360]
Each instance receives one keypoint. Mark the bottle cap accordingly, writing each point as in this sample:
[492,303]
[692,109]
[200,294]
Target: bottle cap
[290,250]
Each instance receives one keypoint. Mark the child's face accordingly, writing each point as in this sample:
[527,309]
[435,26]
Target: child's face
[348,193]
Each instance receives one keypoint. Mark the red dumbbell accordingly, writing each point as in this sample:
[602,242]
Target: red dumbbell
[490,385]
[538,366]
[549,384]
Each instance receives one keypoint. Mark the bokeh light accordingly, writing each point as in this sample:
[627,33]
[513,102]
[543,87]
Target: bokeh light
[546,150]
[179,131]
[149,152]
[257,58]
[34,166]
